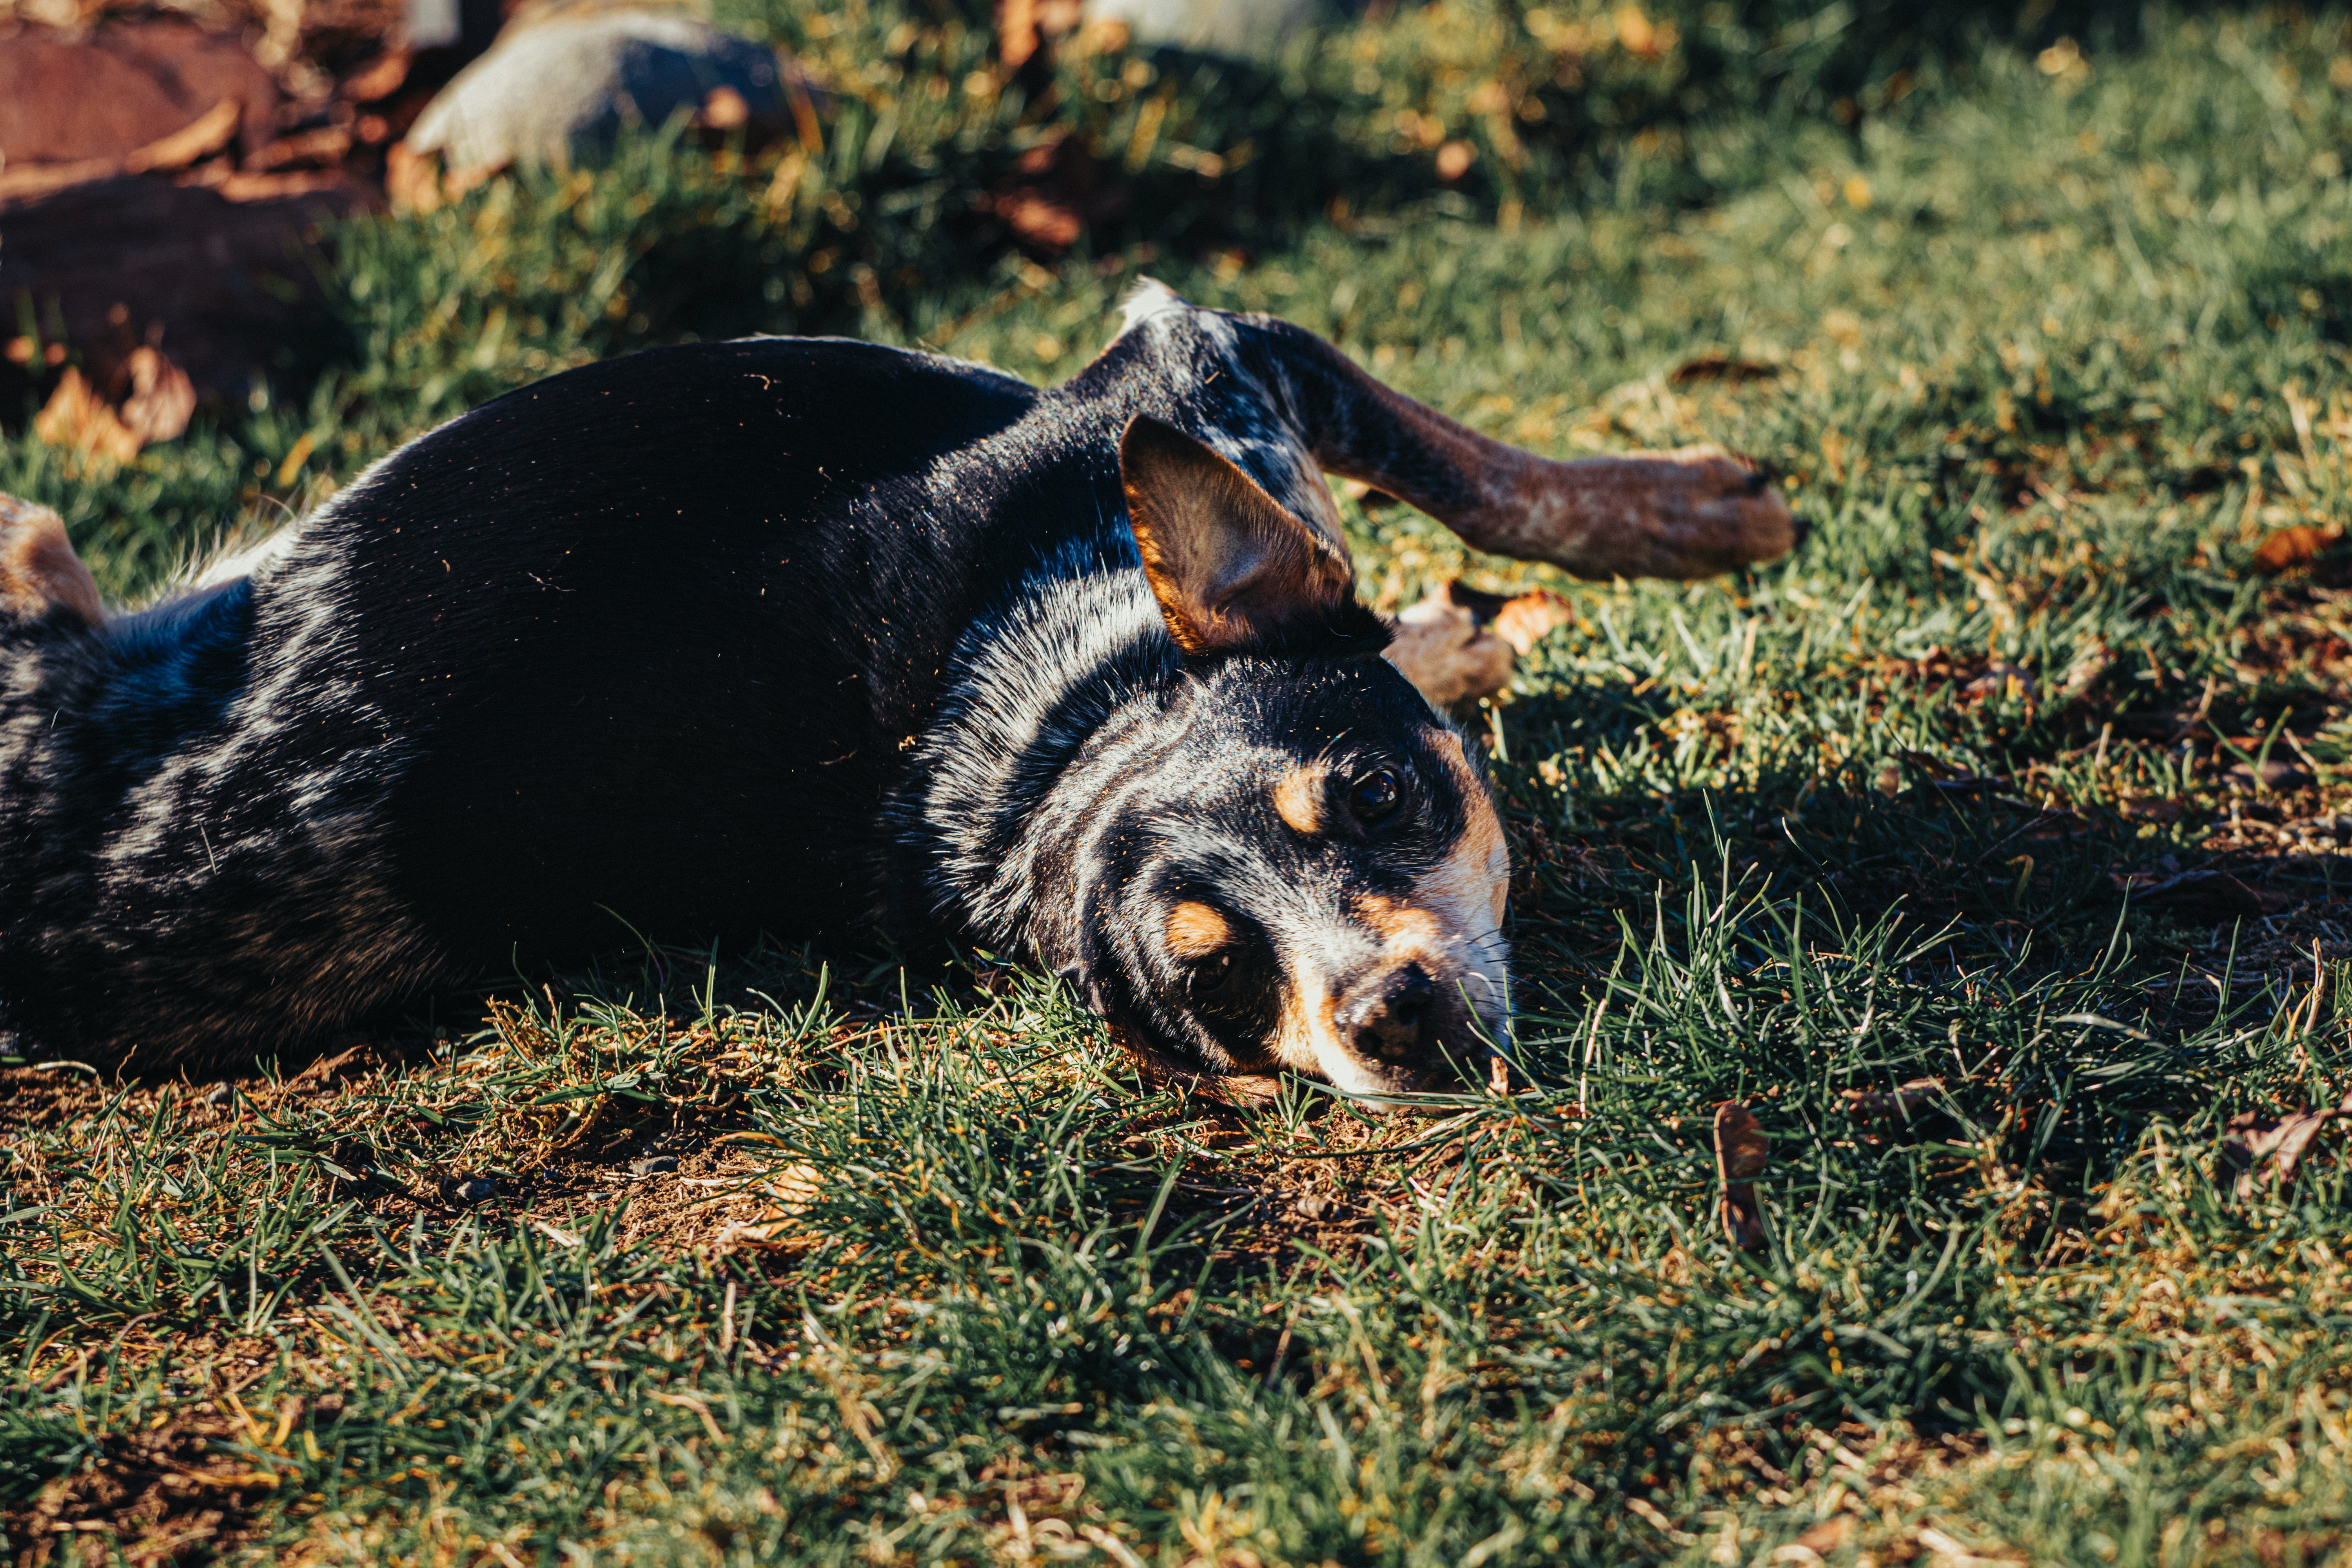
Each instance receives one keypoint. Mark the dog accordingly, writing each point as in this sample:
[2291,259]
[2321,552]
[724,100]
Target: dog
[804,636]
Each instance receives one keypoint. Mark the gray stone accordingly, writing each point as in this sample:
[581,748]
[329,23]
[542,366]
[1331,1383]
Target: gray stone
[562,88]
[654,1166]
[469,1189]
[1244,29]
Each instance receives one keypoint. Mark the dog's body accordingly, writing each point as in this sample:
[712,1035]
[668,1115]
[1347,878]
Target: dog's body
[794,636]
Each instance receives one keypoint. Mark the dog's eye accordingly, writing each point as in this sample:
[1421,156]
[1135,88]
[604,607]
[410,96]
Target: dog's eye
[1374,796]
[1212,978]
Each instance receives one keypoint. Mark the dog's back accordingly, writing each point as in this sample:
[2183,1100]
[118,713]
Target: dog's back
[694,599]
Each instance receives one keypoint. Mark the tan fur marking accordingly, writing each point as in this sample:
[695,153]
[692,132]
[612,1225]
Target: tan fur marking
[1298,797]
[38,569]
[1479,869]
[1196,931]
[1306,1024]
[1405,926]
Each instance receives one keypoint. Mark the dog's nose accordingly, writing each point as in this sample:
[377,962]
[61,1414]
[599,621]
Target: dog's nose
[1392,1017]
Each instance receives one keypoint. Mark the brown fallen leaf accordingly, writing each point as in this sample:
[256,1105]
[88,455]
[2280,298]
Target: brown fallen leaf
[1523,619]
[2299,546]
[324,148]
[161,399]
[1025,27]
[1902,1101]
[1719,367]
[1448,655]
[380,78]
[1053,192]
[77,419]
[1461,643]
[1499,1074]
[412,179]
[1741,1153]
[2255,1147]
[2216,892]
[1828,1536]
[723,109]
[790,1192]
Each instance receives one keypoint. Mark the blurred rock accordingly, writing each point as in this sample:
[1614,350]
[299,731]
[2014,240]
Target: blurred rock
[561,88]
[1239,28]
[211,275]
[68,99]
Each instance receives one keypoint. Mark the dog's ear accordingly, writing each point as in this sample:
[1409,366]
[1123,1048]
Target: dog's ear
[1233,571]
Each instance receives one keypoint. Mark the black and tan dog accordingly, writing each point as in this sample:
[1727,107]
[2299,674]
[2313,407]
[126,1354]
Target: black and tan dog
[796,635]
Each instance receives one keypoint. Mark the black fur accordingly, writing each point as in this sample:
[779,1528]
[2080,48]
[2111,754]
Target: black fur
[773,636]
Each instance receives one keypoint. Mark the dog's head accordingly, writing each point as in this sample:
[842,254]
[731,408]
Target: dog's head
[1309,873]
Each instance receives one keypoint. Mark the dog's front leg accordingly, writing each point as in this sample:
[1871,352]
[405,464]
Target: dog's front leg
[1691,513]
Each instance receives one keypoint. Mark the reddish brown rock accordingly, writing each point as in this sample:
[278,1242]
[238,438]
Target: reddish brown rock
[68,97]
[212,275]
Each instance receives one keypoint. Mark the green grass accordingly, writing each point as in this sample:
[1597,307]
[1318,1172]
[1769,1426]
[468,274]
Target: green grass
[2050,340]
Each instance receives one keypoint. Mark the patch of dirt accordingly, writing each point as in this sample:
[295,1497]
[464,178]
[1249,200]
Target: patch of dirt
[162,1496]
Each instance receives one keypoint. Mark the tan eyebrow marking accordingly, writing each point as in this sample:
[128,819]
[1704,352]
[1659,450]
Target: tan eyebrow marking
[1298,797]
[1196,931]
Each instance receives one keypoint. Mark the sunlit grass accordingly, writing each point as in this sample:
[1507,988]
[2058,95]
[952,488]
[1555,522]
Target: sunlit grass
[2046,345]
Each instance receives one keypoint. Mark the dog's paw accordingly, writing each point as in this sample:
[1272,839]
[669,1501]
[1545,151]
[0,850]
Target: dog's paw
[1688,514]
[40,575]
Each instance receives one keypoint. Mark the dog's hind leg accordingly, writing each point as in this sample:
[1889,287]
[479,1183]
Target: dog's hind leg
[41,578]
[1690,513]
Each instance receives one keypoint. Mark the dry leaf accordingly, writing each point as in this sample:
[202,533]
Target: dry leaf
[161,399]
[1719,367]
[1640,36]
[1524,620]
[797,1186]
[1829,1535]
[2298,546]
[1024,27]
[723,109]
[2216,892]
[1461,643]
[1902,1101]
[380,78]
[2255,1148]
[1448,655]
[790,1190]
[1741,1153]
[78,419]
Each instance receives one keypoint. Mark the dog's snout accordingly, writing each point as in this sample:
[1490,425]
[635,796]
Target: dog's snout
[1392,1017]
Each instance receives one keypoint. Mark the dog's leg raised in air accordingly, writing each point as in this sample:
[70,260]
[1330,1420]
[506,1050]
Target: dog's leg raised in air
[1690,513]
[40,575]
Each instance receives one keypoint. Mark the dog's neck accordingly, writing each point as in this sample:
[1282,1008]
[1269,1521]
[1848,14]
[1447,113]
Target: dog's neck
[1040,721]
